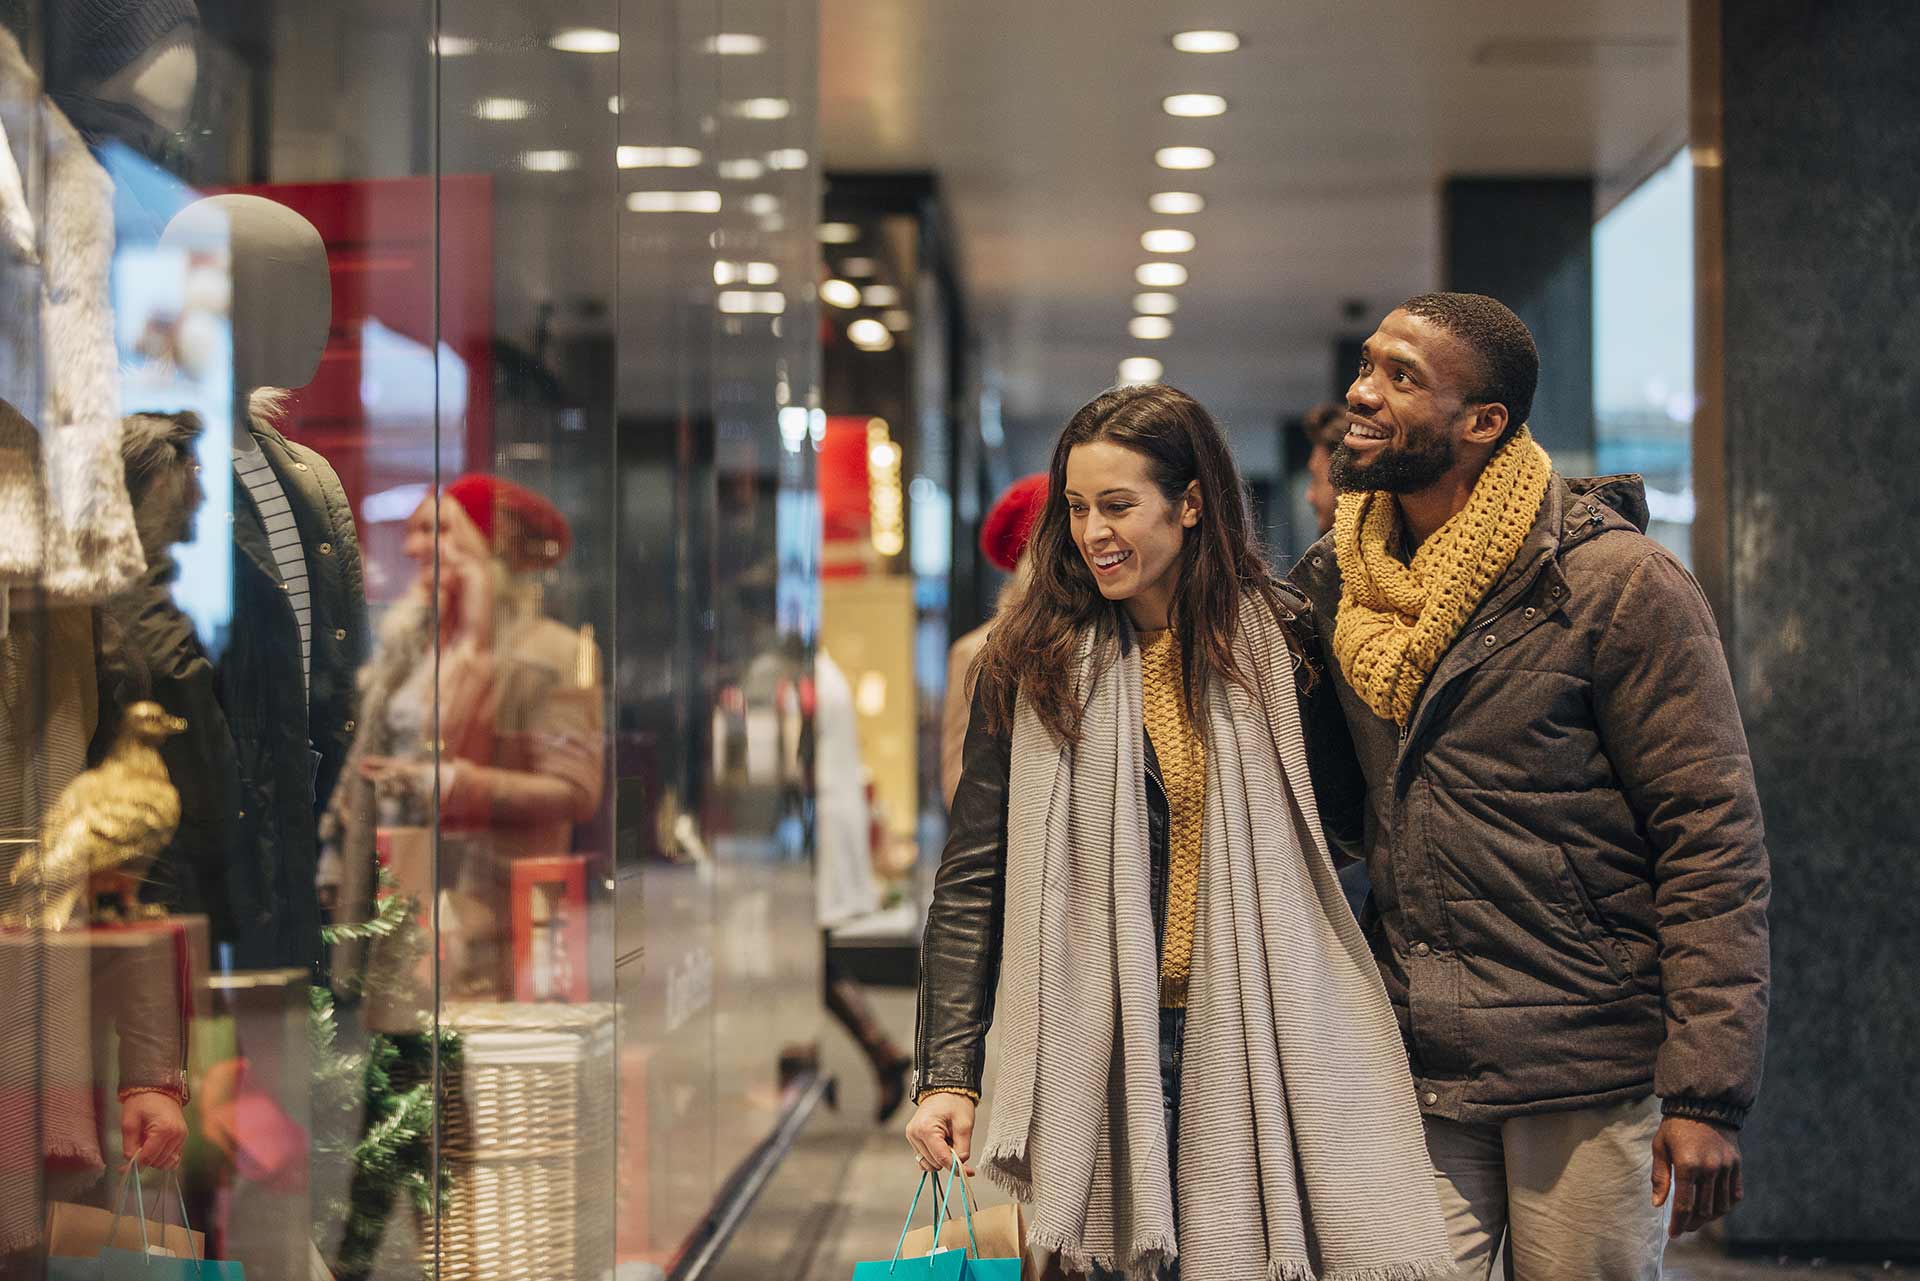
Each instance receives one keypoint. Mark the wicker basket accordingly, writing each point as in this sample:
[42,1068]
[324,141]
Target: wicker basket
[528,1144]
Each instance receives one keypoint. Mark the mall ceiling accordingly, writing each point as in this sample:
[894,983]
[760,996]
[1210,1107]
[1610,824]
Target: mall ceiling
[1343,119]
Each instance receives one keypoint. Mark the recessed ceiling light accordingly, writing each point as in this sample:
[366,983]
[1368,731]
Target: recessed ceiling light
[839,293]
[1206,41]
[858,268]
[503,109]
[585,40]
[1176,202]
[762,108]
[548,161]
[880,296]
[1150,328]
[1155,304]
[745,169]
[746,302]
[897,320]
[1166,240]
[763,204]
[838,233]
[1194,105]
[673,201]
[1141,369]
[454,46]
[869,334]
[736,44]
[658,157]
[1183,158]
[787,159]
[1160,275]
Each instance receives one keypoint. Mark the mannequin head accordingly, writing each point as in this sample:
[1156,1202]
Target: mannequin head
[282,296]
[135,53]
[159,84]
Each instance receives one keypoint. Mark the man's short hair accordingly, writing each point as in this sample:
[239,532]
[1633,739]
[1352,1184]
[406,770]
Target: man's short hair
[1325,425]
[1509,361]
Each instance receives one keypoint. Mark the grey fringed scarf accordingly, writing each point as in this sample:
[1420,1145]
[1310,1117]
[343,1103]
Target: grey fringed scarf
[1302,1153]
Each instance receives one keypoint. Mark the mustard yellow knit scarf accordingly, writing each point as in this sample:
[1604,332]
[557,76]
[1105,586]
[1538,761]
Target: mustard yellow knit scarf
[1397,620]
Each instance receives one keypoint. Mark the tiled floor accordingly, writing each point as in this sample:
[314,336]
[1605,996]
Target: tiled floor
[860,1218]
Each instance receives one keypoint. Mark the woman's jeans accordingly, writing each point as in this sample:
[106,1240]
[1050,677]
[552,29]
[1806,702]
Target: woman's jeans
[1173,1036]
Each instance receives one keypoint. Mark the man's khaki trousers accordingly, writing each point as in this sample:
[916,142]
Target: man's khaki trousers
[1570,1193]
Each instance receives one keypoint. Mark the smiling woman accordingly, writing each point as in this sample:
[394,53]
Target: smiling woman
[1136,751]
[1154,518]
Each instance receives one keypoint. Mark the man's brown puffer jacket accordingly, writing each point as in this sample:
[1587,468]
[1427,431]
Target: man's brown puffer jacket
[1569,877]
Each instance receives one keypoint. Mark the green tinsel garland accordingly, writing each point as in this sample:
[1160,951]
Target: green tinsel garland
[391,1085]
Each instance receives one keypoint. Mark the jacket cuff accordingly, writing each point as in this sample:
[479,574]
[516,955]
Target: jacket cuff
[175,1090]
[948,1082]
[1713,1111]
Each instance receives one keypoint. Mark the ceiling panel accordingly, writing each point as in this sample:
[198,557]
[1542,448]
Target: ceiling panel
[1344,119]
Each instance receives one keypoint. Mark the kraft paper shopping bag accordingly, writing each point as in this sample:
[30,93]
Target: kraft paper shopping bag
[139,1249]
[994,1234]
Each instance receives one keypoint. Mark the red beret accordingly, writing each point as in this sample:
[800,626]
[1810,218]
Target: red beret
[1004,533]
[534,536]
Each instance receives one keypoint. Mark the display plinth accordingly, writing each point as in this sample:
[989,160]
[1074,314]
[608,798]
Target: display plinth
[528,1143]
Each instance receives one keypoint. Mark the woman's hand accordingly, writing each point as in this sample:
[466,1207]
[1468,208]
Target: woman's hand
[152,1129]
[466,581]
[941,1129]
[398,777]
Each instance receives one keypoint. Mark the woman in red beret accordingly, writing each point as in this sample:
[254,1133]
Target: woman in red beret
[1003,541]
[519,719]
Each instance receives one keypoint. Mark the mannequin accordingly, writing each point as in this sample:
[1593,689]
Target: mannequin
[286,680]
[159,84]
[126,71]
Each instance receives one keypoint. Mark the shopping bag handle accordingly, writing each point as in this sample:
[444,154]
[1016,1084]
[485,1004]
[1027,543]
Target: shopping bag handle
[940,1218]
[120,1207]
[140,1200]
[966,1201]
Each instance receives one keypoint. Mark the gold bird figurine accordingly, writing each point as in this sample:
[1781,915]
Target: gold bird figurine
[109,822]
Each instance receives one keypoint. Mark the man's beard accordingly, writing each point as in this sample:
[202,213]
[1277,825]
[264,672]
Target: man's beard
[1407,469]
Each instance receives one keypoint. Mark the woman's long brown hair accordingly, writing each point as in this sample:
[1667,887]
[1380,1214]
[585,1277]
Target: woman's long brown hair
[1033,649]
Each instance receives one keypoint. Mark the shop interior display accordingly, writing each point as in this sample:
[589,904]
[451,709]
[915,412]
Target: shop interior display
[298,634]
[108,823]
[66,525]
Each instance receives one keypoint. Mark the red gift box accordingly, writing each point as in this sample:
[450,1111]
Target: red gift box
[550,929]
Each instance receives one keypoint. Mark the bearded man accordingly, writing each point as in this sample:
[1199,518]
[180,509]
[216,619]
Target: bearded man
[1569,878]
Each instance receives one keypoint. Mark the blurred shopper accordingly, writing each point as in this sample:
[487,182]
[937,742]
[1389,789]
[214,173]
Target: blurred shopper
[1172,1060]
[843,882]
[1003,541]
[478,713]
[1324,425]
[1570,886]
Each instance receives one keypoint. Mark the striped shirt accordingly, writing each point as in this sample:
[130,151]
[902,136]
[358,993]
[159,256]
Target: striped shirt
[276,515]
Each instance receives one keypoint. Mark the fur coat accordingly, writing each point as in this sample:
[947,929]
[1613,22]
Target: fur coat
[66,525]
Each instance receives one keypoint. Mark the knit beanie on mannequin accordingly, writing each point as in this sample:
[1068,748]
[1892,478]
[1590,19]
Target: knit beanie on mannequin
[102,36]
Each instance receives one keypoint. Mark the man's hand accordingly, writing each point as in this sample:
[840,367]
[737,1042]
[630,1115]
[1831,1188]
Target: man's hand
[152,1129]
[1698,1165]
[941,1129]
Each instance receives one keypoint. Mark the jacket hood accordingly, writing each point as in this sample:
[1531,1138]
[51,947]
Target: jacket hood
[1626,494]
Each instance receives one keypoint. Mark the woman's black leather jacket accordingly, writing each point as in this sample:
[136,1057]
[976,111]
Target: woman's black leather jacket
[960,952]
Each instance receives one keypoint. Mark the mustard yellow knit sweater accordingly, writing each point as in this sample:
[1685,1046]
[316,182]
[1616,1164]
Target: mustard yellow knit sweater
[1183,769]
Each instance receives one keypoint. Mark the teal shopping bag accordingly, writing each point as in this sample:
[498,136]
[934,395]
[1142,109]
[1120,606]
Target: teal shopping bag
[941,1265]
[112,1264]
[975,1268]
